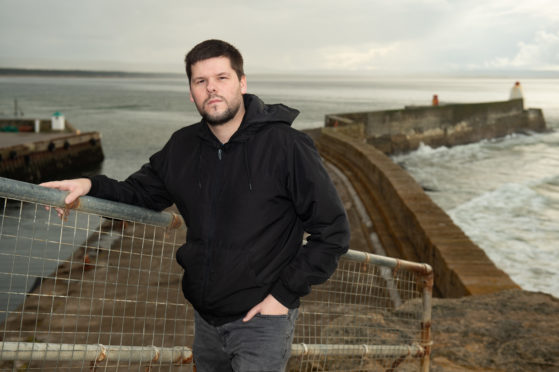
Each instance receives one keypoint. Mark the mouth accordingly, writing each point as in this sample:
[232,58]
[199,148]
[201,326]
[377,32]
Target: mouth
[213,101]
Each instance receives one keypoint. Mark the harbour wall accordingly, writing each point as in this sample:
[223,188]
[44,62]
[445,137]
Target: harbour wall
[397,131]
[408,224]
[46,155]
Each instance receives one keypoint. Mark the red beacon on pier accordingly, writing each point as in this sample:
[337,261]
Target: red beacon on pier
[435,101]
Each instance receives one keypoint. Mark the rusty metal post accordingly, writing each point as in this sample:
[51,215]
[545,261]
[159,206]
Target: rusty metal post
[426,342]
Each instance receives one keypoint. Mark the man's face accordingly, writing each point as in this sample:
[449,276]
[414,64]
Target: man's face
[216,90]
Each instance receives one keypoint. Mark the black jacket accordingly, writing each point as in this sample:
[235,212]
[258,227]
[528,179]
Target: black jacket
[246,204]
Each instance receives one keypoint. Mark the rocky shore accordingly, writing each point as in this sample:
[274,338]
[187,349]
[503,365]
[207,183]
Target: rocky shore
[510,331]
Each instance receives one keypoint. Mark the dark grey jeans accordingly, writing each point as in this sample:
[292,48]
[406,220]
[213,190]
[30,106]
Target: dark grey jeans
[262,344]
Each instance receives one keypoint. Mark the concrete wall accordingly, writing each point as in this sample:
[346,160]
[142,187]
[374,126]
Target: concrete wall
[50,159]
[409,224]
[394,131]
[46,155]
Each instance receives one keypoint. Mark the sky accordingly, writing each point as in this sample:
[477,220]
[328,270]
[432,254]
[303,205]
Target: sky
[275,36]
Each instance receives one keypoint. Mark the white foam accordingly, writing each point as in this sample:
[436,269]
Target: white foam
[504,194]
[516,226]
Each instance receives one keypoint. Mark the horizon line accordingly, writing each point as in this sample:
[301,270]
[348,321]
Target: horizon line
[22,71]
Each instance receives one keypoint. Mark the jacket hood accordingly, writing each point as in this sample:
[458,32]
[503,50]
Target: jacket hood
[258,112]
[257,115]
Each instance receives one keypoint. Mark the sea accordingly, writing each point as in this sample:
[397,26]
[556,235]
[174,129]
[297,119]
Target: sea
[503,193]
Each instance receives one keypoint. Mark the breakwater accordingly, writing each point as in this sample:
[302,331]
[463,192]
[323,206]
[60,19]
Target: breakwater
[35,156]
[403,130]
[405,222]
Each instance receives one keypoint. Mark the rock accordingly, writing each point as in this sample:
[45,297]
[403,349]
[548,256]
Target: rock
[513,330]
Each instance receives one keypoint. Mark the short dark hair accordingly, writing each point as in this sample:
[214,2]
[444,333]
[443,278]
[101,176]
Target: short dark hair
[214,48]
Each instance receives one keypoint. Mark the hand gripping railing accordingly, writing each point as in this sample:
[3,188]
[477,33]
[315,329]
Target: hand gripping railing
[88,291]
[110,296]
[23,191]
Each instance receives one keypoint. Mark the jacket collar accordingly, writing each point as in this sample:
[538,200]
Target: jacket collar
[257,115]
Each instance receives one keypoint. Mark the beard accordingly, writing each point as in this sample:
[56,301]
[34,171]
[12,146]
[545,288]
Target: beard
[221,117]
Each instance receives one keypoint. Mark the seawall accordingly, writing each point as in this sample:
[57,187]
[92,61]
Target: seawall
[408,224]
[396,131]
[35,157]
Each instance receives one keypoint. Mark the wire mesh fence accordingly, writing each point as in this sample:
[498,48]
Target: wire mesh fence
[87,281]
[370,316]
[101,291]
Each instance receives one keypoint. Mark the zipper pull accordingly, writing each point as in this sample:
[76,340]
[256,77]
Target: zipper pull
[219,152]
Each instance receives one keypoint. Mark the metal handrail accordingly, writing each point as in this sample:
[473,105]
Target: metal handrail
[37,351]
[10,350]
[38,194]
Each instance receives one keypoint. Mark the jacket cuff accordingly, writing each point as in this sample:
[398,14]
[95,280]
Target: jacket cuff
[285,296]
[94,186]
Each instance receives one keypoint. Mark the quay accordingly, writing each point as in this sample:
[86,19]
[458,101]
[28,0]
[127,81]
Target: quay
[32,151]
[401,220]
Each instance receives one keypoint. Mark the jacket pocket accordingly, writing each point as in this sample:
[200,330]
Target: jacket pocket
[191,258]
[189,255]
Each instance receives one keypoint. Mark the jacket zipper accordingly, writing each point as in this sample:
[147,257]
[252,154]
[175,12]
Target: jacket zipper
[213,211]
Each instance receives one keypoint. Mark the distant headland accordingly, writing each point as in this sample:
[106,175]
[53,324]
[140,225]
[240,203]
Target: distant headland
[81,73]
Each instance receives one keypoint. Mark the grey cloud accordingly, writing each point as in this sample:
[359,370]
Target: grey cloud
[281,35]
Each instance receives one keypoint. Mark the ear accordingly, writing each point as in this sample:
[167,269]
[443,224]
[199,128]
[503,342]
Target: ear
[190,95]
[243,83]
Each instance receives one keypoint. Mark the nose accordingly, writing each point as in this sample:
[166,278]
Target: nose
[211,86]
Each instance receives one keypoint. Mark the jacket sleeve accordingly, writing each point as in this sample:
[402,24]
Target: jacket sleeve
[320,209]
[144,188]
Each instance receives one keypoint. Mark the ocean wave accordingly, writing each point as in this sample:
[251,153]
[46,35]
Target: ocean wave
[518,228]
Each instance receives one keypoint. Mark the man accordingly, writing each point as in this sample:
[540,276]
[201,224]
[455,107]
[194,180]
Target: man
[247,185]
